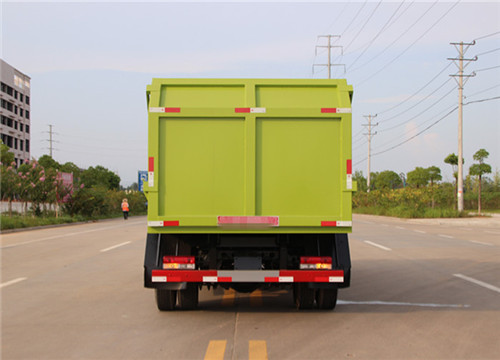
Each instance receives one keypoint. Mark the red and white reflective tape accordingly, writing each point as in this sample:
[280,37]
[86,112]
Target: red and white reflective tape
[336,223]
[163,223]
[349,174]
[336,110]
[243,276]
[164,109]
[258,110]
[248,220]
[151,172]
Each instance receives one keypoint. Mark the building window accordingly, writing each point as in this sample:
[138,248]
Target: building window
[27,129]
[27,146]
[27,114]
[21,127]
[15,125]
[27,100]
[21,97]
[21,145]
[21,112]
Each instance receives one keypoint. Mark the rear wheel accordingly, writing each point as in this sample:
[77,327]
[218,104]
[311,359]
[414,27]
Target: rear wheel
[304,296]
[165,299]
[326,298]
[188,298]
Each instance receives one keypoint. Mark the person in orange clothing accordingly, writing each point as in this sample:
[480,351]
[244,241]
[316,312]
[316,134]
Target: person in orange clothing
[125,208]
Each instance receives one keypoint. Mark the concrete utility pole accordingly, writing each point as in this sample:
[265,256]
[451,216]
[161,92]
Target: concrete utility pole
[460,177]
[370,135]
[329,46]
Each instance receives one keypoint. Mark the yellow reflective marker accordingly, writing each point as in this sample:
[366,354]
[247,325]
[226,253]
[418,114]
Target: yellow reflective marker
[215,350]
[257,350]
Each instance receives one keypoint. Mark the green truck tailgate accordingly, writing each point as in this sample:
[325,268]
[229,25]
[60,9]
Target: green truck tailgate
[249,155]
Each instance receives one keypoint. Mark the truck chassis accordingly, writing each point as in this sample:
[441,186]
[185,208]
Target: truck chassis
[315,266]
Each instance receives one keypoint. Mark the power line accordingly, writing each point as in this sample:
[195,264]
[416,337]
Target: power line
[411,45]
[418,91]
[488,52]
[362,27]
[370,43]
[399,37]
[490,68]
[429,107]
[486,36]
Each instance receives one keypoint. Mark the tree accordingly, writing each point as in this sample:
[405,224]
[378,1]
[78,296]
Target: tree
[7,157]
[434,174]
[387,180]
[452,159]
[479,170]
[418,177]
[360,180]
[47,162]
[100,176]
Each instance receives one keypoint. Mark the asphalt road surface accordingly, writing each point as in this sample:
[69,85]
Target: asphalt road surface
[420,290]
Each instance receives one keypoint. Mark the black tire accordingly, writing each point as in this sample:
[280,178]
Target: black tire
[188,298]
[165,299]
[304,296]
[326,298]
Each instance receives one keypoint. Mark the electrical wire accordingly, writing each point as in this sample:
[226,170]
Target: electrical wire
[411,45]
[425,98]
[486,36]
[370,43]
[488,52]
[490,68]
[399,37]
[364,25]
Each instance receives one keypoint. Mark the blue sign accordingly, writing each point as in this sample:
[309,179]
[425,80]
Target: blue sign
[143,177]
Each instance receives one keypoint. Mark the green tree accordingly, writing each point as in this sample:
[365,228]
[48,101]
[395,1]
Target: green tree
[360,179]
[7,157]
[479,170]
[47,162]
[434,174]
[418,178]
[100,176]
[387,180]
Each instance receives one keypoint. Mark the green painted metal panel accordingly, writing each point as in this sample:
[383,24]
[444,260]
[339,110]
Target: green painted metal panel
[249,147]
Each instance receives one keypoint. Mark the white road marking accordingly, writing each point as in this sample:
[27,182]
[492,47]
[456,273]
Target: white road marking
[377,245]
[396,303]
[446,236]
[116,246]
[400,228]
[492,232]
[69,234]
[478,282]
[12,282]
[385,225]
[420,231]
[481,243]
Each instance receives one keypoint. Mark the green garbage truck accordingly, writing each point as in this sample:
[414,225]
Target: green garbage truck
[249,187]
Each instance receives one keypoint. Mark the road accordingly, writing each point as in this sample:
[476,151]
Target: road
[420,290]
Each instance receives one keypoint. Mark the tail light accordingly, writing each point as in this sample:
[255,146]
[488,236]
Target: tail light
[315,263]
[179,262]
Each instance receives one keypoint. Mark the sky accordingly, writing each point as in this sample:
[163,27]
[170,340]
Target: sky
[90,63]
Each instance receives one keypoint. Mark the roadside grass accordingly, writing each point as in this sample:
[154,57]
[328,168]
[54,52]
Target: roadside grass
[411,213]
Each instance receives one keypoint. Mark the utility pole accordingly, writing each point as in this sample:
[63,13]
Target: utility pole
[461,51]
[369,135]
[51,141]
[329,46]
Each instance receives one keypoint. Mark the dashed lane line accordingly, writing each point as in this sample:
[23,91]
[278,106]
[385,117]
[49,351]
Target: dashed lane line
[478,282]
[69,234]
[420,231]
[446,236]
[378,245]
[116,246]
[481,243]
[12,282]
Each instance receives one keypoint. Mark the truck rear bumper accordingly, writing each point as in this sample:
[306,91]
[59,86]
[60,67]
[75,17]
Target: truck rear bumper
[247,276]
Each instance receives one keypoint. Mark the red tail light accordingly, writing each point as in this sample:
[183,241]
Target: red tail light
[179,262]
[316,262]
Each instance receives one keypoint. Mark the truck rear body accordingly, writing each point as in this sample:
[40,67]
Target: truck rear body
[249,183]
